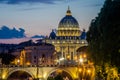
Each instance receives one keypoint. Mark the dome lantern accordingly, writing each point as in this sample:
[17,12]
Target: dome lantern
[68,13]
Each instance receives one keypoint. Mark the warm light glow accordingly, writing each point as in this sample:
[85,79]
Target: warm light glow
[88,70]
[61,59]
[75,57]
[80,56]
[83,42]
[18,61]
[3,76]
[53,42]
[68,57]
[22,57]
[28,63]
[59,71]
[84,56]
[63,41]
[80,69]
[40,76]
[44,75]
[81,60]
[74,75]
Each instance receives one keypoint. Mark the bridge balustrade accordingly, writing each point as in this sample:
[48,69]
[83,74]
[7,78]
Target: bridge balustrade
[37,66]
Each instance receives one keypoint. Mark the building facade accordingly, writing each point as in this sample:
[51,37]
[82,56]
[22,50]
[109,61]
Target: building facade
[67,39]
[40,54]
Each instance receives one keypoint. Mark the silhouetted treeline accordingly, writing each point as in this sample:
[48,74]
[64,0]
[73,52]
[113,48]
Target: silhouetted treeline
[104,35]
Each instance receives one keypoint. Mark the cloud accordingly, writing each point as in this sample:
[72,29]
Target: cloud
[7,33]
[38,36]
[29,9]
[28,1]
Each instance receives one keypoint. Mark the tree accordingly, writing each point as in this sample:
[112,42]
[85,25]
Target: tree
[103,36]
[50,78]
[58,77]
[7,58]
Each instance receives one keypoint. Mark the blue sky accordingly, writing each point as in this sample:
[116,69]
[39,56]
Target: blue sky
[39,17]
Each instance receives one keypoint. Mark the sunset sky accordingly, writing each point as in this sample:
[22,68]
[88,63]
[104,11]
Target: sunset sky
[39,17]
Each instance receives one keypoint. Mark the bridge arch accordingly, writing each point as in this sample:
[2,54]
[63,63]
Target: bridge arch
[56,69]
[23,70]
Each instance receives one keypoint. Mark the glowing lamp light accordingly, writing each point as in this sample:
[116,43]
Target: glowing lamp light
[88,71]
[80,56]
[28,63]
[3,76]
[18,61]
[75,57]
[45,74]
[83,42]
[68,56]
[80,70]
[61,59]
[81,60]
[84,56]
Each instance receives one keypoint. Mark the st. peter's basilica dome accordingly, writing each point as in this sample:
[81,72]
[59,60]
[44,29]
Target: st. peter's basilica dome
[68,26]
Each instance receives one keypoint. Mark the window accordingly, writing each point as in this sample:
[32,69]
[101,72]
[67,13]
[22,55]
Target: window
[34,57]
[34,61]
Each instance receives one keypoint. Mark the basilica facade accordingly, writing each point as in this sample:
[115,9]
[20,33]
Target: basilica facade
[67,39]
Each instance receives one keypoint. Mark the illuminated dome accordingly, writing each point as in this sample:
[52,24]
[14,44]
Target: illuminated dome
[68,26]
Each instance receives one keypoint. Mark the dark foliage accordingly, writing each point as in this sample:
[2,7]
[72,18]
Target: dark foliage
[7,58]
[58,77]
[104,35]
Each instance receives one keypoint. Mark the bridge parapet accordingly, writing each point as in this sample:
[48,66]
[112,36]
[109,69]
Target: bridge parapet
[44,70]
[7,66]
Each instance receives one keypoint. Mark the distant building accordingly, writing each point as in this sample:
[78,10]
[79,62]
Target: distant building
[67,39]
[40,54]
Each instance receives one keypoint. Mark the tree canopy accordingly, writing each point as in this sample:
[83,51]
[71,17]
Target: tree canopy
[7,58]
[104,34]
[103,37]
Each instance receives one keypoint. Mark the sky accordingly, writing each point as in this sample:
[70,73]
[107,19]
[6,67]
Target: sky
[39,17]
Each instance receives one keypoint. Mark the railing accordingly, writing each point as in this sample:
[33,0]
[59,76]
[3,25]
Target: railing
[4,66]
[85,65]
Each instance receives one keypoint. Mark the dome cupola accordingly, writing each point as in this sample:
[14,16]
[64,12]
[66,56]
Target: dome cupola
[68,26]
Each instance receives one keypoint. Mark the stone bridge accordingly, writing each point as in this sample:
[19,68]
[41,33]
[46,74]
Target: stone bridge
[43,72]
